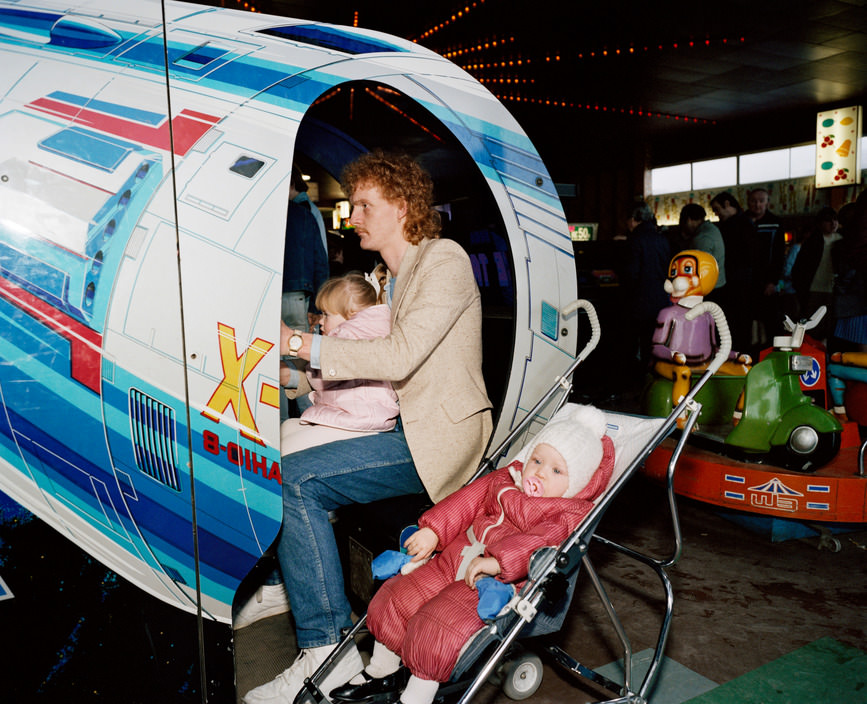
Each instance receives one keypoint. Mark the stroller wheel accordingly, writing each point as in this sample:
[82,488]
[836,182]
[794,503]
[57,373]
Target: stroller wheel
[522,676]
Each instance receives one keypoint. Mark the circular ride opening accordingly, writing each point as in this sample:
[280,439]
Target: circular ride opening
[361,116]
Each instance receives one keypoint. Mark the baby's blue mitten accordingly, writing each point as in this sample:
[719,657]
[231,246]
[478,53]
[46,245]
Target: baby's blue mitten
[493,596]
[388,564]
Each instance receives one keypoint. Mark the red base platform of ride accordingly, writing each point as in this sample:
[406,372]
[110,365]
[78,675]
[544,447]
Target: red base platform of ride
[835,493]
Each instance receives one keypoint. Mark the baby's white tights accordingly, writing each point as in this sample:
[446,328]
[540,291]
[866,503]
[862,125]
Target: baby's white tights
[382,663]
[419,691]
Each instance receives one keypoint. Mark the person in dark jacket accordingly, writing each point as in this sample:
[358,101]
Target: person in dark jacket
[698,233]
[850,264]
[772,244]
[648,255]
[305,267]
[813,271]
[744,274]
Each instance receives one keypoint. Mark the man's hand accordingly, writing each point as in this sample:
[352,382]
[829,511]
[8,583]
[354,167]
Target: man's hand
[285,374]
[286,332]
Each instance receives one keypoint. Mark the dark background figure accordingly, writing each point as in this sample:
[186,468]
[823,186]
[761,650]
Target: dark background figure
[699,233]
[772,245]
[298,192]
[336,254]
[787,297]
[647,259]
[813,272]
[742,286]
[758,210]
[305,261]
[845,216]
[305,269]
[850,289]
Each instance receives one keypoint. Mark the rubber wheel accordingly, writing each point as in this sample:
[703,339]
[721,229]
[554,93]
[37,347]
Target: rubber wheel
[522,676]
[826,448]
[829,542]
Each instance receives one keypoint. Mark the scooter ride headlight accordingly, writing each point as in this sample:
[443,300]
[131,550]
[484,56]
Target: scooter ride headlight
[801,363]
[803,440]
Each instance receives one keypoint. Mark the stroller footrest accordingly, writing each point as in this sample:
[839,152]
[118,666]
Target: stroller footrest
[567,661]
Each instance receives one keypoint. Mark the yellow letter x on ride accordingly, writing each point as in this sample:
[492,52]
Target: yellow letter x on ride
[236,369]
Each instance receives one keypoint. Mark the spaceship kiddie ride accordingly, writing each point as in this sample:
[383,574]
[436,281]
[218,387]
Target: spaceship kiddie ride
[768,450]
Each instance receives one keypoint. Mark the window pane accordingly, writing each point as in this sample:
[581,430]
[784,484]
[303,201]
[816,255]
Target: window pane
[670,179]
[715,173]
[802,161]
[764,166]
[247,166]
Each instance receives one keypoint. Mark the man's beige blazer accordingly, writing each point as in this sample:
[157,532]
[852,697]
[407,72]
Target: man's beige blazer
[433,357]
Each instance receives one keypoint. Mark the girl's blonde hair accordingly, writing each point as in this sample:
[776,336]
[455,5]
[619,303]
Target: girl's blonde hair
[380,273]
[346,295]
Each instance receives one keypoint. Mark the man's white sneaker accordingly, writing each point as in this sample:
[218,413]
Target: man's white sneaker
[269,600]
[284,688]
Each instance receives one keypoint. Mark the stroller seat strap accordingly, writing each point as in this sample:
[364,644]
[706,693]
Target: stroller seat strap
[470,552]
[477,547]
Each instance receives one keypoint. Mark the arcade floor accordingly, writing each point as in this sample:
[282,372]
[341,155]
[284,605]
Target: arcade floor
[755,620]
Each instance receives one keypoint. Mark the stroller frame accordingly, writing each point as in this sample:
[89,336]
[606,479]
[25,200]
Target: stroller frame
[551,569]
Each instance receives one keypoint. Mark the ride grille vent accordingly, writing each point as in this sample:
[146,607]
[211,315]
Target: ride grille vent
[153,438]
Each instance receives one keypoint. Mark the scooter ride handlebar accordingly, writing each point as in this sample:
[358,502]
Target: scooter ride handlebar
[809,324]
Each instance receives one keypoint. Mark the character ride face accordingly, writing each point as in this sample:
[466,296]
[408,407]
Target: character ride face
[691,273]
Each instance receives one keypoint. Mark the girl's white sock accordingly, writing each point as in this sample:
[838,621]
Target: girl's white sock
[419,691]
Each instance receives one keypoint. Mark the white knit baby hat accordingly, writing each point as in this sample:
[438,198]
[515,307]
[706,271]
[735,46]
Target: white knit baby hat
[576,432]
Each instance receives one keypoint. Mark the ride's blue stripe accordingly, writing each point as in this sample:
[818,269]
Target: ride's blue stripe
[249,77]
[166,528]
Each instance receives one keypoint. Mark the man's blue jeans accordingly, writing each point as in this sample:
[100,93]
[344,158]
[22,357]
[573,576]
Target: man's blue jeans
[319,480]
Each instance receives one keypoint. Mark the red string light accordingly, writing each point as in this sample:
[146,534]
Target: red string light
[619,51]
[596,107]
[460,50]
[398,110]
[451,19]
[505,63]
[497,44]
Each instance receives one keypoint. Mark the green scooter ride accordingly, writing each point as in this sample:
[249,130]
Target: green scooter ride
[778,418]
[778,423]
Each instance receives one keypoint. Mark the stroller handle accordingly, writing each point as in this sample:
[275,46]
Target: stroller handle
[595,330]
[722,326]
[562,384]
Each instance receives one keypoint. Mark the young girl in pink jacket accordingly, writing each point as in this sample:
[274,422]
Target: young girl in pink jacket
[345,409]
[490,527]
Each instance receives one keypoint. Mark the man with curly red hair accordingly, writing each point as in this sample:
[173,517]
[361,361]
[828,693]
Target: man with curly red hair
[433,359]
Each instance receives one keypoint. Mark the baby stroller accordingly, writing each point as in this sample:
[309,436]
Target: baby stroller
[541,605]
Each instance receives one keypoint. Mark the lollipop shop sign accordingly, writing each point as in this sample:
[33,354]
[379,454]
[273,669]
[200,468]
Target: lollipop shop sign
[838,142]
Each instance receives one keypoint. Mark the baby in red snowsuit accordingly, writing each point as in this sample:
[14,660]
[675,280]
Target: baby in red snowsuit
[488,528]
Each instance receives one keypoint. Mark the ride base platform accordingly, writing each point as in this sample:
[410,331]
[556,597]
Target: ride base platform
[835,493]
